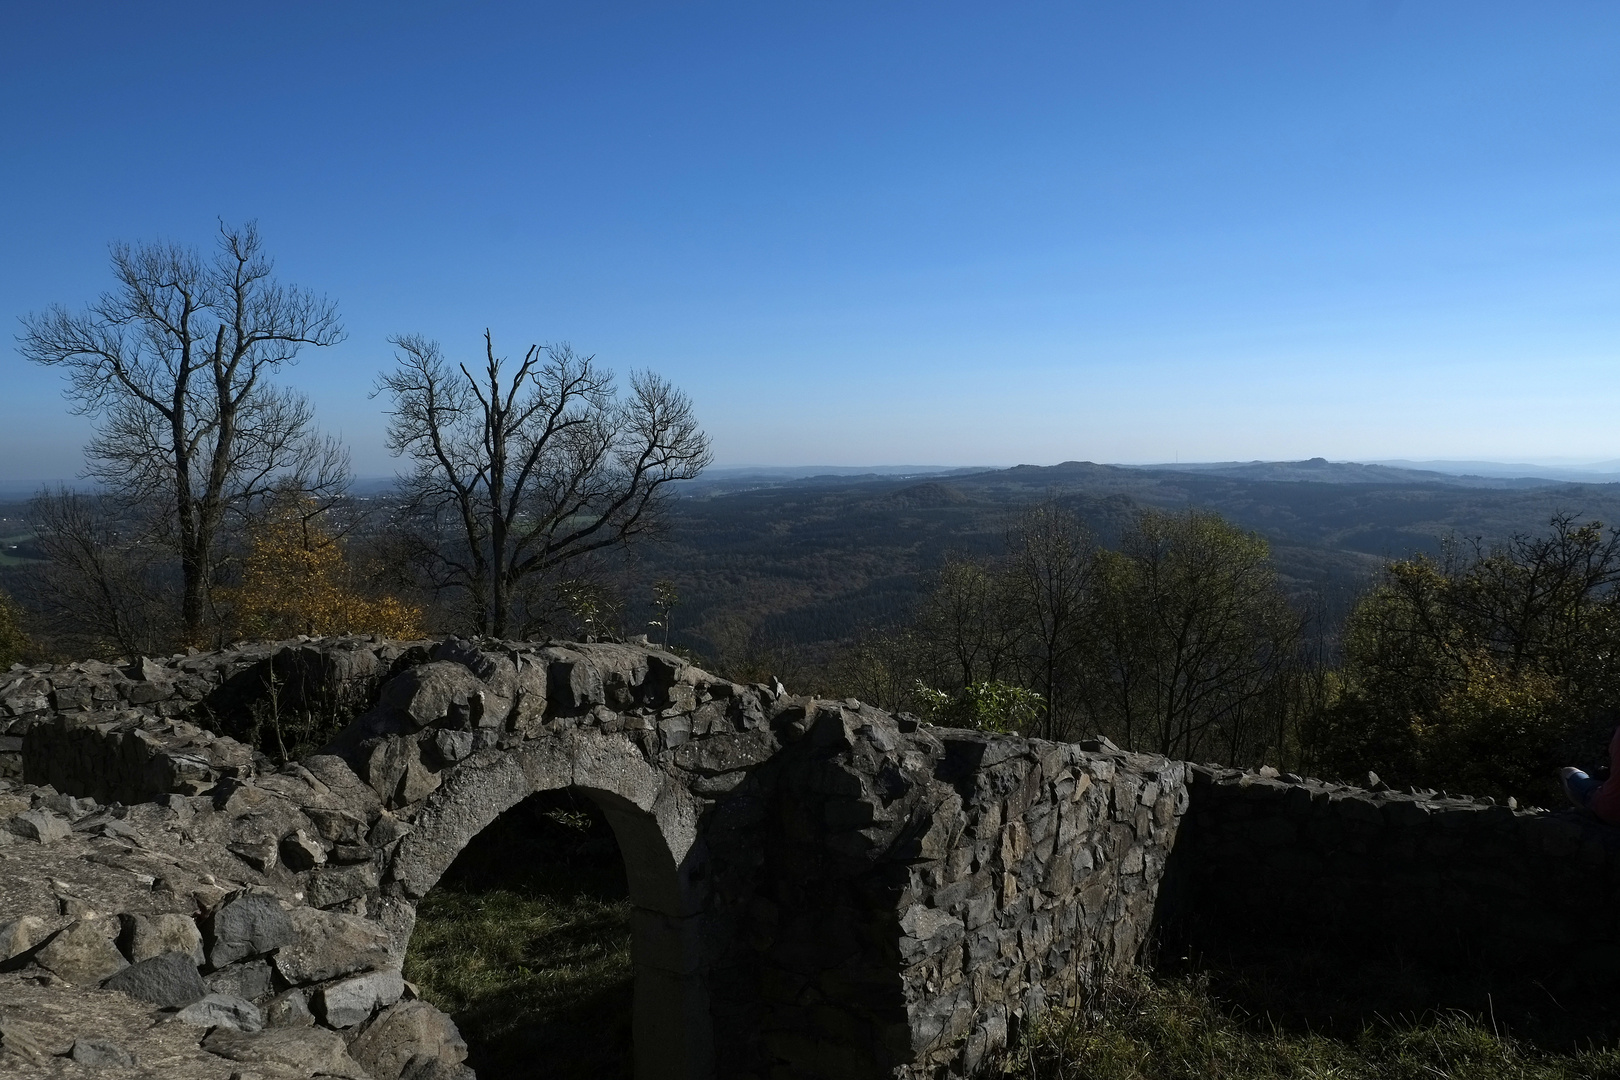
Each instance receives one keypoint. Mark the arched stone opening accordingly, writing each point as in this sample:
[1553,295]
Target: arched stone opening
[525,940]
[654,823]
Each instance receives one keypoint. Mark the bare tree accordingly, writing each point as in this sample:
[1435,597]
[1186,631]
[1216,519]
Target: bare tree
[531,467]
[969,625]
[174,364]
[1052,566]
[1193,635]
[102,587]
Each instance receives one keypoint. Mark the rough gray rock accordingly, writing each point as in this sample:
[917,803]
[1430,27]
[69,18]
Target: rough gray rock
[300,852]
[338,826]
[41,826]
[347,1003]
[145,936]
[248,924]
[169,981]
[452,746]
[21,934]
[83,953]
[101,1053]
[222,1010]
[250,979]
[405,1034]
[290,1008]
[287,1051]
[441,690]
[333,885]
[383,764]
[348,790]
[329,944]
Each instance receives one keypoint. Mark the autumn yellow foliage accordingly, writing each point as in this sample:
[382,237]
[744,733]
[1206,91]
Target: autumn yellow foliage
[296,580]
[14,643]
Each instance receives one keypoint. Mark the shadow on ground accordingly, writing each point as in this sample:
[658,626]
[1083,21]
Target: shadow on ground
[1326,992]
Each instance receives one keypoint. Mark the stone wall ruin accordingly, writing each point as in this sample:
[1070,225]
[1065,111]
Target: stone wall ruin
[820,888]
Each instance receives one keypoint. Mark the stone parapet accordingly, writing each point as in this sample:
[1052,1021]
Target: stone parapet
[820,888]
[1460,883]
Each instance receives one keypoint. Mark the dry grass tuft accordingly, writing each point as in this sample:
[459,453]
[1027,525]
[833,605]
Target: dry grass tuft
[1142,1028]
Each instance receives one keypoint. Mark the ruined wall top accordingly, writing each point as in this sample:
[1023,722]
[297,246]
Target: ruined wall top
[824,887]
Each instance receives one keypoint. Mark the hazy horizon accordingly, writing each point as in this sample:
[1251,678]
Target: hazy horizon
[1601,471]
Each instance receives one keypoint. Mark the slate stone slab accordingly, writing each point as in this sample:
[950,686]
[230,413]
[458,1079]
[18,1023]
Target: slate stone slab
[101,1053]
[249,924]
[169,981]
[223,1010]
[41,826]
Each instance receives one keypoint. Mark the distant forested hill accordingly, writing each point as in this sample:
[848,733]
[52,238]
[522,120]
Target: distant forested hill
[811,562]
[766,563]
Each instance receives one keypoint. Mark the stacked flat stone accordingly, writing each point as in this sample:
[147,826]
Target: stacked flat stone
[196,686]
[820,888]
[131,937]
[1462,883]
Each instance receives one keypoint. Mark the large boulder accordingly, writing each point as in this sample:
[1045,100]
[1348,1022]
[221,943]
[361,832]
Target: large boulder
[248,924]
[169,981]
[329,944]
[403,1033]
[83,953]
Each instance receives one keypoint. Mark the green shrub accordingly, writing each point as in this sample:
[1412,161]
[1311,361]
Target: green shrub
[987,705]
[1483,671]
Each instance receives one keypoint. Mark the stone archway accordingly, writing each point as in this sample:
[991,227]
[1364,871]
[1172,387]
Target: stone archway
[820,888]
[654,820]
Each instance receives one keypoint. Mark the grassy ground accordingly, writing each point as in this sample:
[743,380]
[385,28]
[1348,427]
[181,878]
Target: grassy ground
[1177,1029]
[526,943]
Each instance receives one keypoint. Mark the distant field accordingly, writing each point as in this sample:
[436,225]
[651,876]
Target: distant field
[14,544]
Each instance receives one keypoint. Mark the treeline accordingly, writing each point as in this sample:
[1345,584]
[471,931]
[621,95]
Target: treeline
[222,512]
[1480,672]
[1486,669]
[285,564]
[1179,640]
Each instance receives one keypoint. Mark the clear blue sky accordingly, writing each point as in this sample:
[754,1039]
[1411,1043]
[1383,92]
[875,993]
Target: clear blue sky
[876,233]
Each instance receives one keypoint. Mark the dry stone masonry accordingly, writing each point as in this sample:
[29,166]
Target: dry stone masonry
[819,888]
[1463,885]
